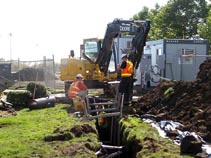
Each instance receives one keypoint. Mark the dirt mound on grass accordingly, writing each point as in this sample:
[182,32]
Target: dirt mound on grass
[4,113]
[64,135]
[188,103]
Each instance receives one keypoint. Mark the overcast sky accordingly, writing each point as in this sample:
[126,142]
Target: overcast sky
[31,29]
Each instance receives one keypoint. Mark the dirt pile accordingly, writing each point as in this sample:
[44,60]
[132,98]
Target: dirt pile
[6,110]
[189,102]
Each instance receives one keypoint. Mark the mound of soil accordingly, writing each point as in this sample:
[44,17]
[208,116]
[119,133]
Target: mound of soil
[6,113]
[189,102]
[77,131]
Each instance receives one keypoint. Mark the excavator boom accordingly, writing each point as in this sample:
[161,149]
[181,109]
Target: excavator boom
[139,28]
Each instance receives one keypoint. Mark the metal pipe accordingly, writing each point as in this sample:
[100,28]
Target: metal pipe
[105,115]
[112,147]
[194,55]
[114,154]
[105,110]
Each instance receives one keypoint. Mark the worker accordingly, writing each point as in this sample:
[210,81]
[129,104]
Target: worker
[77,88]
[78,92]
[126,68]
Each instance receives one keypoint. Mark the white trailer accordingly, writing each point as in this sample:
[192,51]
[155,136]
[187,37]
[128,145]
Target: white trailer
[173,59]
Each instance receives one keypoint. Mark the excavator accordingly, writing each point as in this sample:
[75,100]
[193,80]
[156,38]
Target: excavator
[98,65]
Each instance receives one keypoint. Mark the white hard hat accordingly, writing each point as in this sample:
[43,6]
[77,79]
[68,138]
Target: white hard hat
[79,76]
[123,56]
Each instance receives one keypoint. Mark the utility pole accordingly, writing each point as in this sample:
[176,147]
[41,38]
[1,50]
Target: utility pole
[10,36]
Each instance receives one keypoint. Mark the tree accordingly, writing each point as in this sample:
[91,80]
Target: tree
[205,28]
[142,14]
[145,13]
[177,19]
[183,16]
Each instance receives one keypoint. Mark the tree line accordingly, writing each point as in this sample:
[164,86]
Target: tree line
[180,19]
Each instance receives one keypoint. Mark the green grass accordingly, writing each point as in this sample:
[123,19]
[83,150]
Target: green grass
[22,136]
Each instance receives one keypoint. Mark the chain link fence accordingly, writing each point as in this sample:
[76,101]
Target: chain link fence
[24,72]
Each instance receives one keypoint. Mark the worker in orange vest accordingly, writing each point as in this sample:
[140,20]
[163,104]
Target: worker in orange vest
[77,88]
[77,92]
[126,68]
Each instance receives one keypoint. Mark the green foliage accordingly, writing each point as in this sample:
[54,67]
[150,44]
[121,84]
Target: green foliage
[205,28]
[19,98]
[37,90]
[177,19]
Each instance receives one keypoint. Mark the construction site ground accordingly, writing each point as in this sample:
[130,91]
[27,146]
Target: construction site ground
[189,103]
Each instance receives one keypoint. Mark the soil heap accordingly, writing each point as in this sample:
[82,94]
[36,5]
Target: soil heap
[189,103]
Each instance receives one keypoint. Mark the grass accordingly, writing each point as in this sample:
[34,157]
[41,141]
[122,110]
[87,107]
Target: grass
[22,136]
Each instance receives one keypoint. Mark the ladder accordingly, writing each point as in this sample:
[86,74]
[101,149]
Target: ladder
[110,108]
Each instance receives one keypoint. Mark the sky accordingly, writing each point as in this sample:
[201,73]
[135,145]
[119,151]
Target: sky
[32,29]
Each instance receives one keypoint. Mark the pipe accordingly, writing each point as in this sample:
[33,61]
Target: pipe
[114,154]
[40,103]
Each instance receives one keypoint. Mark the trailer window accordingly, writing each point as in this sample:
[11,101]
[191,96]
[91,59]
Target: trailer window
[187,52]
[159,52]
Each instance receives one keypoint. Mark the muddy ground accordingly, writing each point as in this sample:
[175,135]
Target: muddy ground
[188,103]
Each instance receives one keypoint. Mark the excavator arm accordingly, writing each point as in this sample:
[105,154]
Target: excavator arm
[139,28]
[138,43]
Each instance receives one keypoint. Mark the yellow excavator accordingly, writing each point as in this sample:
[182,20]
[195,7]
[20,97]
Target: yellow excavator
[98,63]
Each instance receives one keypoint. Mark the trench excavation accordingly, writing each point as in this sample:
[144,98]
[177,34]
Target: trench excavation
[108,114]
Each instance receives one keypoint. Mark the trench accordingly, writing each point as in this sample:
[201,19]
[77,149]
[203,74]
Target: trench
[112,135]
[107,113]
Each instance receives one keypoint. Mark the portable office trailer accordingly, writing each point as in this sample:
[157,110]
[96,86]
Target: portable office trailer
[176,59]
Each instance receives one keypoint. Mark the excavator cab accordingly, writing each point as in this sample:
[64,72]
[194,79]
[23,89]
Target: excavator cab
[91,48]
[91,51]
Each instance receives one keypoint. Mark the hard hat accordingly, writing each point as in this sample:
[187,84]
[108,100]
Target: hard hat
[79,76]
[123,56]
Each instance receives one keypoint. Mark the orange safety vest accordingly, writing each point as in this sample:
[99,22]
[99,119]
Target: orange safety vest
[128,70]
[74,89]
